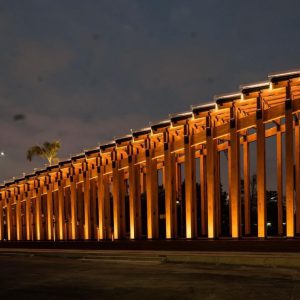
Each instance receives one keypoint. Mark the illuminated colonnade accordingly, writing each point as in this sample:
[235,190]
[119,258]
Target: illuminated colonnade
[112,191]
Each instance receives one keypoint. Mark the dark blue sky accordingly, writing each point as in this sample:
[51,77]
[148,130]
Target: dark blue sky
[86,71]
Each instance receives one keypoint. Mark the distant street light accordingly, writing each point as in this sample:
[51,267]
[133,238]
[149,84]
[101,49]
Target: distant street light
[2,154]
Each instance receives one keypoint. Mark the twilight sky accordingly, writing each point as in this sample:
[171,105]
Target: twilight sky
[86,71]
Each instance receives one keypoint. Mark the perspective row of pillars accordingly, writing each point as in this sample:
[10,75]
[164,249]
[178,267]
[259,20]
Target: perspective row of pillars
[62,203]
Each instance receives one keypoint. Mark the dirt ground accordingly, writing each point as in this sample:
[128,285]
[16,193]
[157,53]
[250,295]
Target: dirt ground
[25,277]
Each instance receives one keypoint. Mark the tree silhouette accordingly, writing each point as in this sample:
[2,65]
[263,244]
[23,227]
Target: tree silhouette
[47,151]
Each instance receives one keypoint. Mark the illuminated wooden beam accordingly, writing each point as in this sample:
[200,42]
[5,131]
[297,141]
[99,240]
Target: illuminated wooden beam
[203,199]
[261,173]
[104,205]
[143,182]
[134,198]
[28,217]
[1,221]
[102,218]
[190,189]
[152,195]
[211,185]
[68,225]
[94,232]
[61,210]
[80,207]
[229,180]
[49,212]
[9,220]
[55,212]
[116,200]
[297,175]
[38,215]
[122,184]
[73,198]
[289,163]
[179,196]
[138,201]
[87,206]
[279,179]
[247,207]
[235,177]
[18,218]
[218,193]
[169,183]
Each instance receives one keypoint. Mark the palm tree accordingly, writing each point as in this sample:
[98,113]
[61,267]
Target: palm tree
[47,151]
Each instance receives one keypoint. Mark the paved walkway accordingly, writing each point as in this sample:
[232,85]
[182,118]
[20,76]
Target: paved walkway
[38,277]
[271,252]
[274,259]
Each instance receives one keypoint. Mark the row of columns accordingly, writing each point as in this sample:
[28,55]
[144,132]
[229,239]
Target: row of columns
[98,189]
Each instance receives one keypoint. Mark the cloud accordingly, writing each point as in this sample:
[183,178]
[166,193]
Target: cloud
[19,117]
[36,60]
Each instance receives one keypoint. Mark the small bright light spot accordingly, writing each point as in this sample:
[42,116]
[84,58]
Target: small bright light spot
[2,153]
[177,202]
[269,224]
[284,223]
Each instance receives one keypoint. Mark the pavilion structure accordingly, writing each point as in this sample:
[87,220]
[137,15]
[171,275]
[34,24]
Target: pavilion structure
[112,191]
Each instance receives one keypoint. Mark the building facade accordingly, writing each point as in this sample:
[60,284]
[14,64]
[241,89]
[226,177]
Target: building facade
[163,181]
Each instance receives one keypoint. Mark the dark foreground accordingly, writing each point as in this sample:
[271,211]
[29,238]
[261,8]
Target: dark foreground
[223,245]
[61,278]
